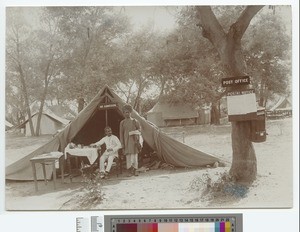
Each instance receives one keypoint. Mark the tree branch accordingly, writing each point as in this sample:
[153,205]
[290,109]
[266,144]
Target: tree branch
[240,26]
[211,28]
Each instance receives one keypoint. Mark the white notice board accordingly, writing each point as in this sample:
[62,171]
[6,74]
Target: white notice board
[241,105]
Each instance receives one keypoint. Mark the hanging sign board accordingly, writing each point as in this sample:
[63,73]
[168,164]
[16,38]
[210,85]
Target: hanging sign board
[234,81]
[104,106]
[241,105]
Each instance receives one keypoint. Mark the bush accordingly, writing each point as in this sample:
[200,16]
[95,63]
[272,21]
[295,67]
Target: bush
[92,189]
[220,187]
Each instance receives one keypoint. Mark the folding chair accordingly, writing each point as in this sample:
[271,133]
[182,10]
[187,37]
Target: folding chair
[117,166]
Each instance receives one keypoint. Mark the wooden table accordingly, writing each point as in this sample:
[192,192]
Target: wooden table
[48,158]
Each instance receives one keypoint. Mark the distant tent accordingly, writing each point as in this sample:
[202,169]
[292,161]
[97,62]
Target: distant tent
[283,103]
[172,114]
[50,123]
[64,111]
[8,125]
[88,126]
[282,107]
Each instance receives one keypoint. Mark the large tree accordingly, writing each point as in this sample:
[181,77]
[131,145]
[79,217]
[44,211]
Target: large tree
[229,47]
[197,63]
[90,37]
[18,66]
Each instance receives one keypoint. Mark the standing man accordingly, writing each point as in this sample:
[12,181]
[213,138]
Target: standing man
[129,137]
[112,146]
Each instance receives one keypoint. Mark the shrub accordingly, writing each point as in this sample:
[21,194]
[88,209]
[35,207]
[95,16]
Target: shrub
[92,190]
[221,186]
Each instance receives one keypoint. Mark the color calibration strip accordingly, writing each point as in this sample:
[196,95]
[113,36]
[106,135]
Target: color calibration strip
[174,225]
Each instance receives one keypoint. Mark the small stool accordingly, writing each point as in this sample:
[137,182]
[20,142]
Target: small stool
[48,158]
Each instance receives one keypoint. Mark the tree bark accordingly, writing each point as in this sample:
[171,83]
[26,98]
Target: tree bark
[137,100]
[244,165]
[163,80]
[215,114]
[19,69]
[262,94]
[26,100]
[46,82]
[24,88]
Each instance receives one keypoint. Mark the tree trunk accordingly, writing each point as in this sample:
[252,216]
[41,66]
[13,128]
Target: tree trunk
[26,100]
[46,81]
[215,114]
[23,84]
[163,80]
[262,94]
[137,100]
[244,166]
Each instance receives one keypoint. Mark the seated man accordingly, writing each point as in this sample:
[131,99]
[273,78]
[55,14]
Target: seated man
[112,146]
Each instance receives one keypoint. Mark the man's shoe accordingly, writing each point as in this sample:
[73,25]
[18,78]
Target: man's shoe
[106,175]
[130,172]
[102,175]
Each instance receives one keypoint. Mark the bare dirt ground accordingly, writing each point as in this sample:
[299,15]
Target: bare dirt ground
[168,188]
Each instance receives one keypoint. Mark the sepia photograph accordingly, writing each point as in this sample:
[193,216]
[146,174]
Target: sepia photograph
[148,107]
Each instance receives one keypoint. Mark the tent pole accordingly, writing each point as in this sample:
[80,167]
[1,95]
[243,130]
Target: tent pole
[106,118]
[106,100]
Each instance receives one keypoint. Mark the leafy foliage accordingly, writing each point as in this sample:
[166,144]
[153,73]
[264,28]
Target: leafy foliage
[267,56]
[71,52]
[90,34]
[191,68]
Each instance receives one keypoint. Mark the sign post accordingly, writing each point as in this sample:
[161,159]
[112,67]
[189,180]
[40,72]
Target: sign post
[235,81]
[104,106]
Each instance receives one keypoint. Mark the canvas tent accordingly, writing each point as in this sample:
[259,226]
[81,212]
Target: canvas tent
[64,110]
[50,123]
[172,114]
[88,126]
[283,107]
[282,104]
